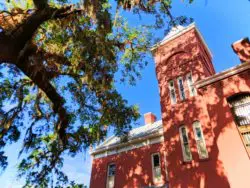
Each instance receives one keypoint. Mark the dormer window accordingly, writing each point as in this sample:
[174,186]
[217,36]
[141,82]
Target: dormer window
[192,90]
[181,88]
[172,92]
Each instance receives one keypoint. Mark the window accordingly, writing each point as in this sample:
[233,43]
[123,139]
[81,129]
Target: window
[172,92]
[200,141]
[156,167]
[187,156]
[192,90]
[181,88]
[240,106]
[111,176]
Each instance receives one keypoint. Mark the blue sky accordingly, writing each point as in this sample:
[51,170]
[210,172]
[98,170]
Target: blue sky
[220,22]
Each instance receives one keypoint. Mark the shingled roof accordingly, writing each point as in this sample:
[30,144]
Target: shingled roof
[134,134]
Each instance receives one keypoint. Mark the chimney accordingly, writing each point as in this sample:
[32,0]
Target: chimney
[149,118]
[242,49]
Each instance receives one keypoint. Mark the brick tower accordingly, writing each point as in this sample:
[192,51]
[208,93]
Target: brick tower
[196,154]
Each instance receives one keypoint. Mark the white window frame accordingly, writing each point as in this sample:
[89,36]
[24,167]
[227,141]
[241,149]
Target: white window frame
[181,90]
[190,83]
[108,176]
[186,158]
[173,100]
[155,179]
[200,141]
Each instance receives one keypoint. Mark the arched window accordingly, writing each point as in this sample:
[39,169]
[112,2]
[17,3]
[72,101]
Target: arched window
[181,88]
[240,105]
[187,156]
[200,141]
[172,92]
[190,82]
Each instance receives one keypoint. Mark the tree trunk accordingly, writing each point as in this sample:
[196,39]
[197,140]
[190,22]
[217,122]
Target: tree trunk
[16,48]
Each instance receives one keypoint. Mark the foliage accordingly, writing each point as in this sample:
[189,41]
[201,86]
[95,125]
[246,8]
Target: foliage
[60,64]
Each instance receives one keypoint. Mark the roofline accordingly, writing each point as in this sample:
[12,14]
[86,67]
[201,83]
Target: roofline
[108,139]
[240,40]
[184,30]
[222,75]
[120,145]
[204,42]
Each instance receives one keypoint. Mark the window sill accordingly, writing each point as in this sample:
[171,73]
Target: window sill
[203,159]
[192,161]
[187,162]
[184,100]
[191,98]
[158,182]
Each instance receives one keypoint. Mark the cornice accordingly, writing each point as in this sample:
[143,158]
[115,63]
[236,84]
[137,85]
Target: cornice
[125,144]
[222,75]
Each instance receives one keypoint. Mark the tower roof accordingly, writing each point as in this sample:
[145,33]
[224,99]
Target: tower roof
[174,31]
[178,31]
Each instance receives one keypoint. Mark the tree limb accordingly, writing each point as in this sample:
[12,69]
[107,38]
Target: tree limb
[41,80]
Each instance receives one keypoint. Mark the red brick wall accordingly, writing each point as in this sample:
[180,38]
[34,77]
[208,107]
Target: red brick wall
[227,146]
[228,164]
[133,168]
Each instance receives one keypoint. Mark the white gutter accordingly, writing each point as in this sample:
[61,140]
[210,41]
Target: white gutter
[120,145]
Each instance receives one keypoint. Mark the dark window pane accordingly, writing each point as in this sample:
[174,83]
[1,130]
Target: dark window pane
[156,160]
[111,170]
[182,92]
[198,133]
[173,95]
[184,135]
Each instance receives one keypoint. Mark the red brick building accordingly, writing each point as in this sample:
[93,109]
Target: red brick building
[203,139]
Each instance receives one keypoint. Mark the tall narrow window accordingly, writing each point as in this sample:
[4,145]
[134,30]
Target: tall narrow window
[111,176]
[240,106]
[187,156]
[181,88]
[172,92]
[200,141]
[156,167]
[192,90]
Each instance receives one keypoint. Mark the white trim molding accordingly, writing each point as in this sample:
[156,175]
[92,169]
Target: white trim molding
[130,145]
[137,137]
[222,75]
